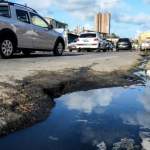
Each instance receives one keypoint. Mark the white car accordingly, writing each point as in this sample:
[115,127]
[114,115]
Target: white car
[91,41]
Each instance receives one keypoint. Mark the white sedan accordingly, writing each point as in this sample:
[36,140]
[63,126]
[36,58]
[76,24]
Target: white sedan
[91,41]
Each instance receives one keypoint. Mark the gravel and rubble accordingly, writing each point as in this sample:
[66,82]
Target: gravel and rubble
[145,136]
[100,145]
[128,144]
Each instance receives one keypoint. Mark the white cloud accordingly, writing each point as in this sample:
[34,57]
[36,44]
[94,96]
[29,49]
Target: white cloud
[147,1]
[88,26]
[138,19]
[138,31]
[144,99]
[37,4]
[86,9]
[87,101]
[140,118]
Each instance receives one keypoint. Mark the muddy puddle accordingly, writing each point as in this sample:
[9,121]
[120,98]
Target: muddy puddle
[109,118]
[82,120]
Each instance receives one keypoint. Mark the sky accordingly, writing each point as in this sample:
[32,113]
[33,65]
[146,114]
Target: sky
[128,17]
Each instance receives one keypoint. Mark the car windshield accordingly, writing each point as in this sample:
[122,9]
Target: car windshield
[88,35]
[145,42]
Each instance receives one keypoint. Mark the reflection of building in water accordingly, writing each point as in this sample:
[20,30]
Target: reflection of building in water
[59,27]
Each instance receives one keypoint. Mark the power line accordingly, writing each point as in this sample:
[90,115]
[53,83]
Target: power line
[88,6]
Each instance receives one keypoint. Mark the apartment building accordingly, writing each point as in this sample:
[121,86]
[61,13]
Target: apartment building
[145,35]
[102,23]
[137,36]
[78,29]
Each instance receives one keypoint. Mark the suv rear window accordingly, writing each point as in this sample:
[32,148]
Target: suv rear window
[4,11]
[87,35]
[123,40]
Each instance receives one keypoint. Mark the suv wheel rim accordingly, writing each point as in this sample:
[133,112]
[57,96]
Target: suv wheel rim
[7,48]
[60,48]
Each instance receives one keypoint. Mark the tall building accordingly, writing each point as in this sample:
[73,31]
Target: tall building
[137,36]
[78,29]
[102,23]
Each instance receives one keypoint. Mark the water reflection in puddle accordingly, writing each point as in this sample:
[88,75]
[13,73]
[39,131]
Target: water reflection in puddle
[79,119]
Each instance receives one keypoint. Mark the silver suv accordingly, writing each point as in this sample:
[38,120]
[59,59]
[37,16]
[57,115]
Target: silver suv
[22,28]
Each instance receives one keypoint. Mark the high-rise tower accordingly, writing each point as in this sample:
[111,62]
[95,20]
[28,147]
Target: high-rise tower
[102,23]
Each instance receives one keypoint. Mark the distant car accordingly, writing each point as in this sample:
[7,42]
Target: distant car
[91,41]
[123,44]
[109,46]
[145,45]
[72,46]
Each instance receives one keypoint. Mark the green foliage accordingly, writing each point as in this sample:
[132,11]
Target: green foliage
[112,36]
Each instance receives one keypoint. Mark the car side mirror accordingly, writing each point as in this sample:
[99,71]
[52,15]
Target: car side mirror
[50,27]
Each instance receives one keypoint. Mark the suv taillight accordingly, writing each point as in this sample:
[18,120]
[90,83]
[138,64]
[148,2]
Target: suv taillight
[96,39]
[78,40]
[129,40]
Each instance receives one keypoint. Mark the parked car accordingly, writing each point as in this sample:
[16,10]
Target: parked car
[123,44]
[145,45]
[72,46]
[91,41]
[109,46]
[22,28]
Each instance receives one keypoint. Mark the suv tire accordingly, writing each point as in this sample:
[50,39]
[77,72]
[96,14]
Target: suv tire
[58,50]
[26,52]
[6,48]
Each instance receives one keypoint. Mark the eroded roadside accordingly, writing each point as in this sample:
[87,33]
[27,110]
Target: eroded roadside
[31,100]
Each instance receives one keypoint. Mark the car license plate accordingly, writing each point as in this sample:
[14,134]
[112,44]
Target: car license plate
[86,41]
[73,47]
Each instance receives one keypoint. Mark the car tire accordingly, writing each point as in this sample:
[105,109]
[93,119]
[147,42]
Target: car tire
[117,50]
[5,51]
[26,52]
[58,50]
[78,50]
[104,50]
[98,50]
[70,50]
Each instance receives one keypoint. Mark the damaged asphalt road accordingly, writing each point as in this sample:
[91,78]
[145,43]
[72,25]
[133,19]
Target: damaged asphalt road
[30,100]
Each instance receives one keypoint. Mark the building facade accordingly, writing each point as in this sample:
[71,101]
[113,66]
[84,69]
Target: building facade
[137,37]
[145,35]
[59,27]
[102,23]
[78,29]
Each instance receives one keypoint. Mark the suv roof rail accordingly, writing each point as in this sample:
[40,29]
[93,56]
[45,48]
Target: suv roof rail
[10,3]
